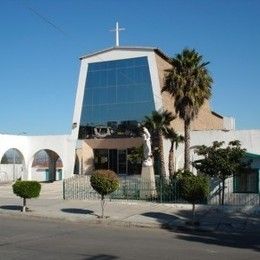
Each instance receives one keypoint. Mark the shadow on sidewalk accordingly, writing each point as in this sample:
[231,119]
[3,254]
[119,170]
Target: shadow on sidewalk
[163,218]
[236,240]
[230,229]
[160,216]
[101,257]
[79,211]
[11,207]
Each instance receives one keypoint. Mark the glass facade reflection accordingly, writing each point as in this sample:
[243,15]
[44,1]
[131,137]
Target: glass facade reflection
[116,160]
[118,94]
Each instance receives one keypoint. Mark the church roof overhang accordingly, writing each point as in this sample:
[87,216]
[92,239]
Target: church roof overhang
[129,48]
[216,114]
[252,155]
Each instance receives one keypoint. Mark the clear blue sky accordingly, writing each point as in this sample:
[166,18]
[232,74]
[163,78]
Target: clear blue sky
[39,63]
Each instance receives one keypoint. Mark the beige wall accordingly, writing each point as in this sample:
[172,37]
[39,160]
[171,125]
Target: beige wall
[205,119]
[86,159]
[86,153]
[116,143]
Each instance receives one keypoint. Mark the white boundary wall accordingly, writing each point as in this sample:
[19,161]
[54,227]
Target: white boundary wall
[63,145]
[250,140]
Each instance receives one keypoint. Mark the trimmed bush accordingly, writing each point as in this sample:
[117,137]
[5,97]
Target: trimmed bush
[194,189]
[26,190]
[104,182]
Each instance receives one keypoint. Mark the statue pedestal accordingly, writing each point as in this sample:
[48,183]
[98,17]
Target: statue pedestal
[148,188]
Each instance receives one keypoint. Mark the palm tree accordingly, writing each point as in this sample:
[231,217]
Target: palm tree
[175,139]
[158,123]
[189,82]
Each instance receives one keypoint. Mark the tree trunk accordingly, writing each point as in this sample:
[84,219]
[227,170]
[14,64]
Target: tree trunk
[219,193]
[223,192]
[102,205]
[171,160]
[156,153]
[193,214]
[161,156]
[24,205]
[187,145]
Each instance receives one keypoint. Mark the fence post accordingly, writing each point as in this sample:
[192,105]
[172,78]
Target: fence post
[175,191]
[63,189]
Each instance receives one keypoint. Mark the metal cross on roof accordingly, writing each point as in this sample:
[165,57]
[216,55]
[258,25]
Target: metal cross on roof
[117,33]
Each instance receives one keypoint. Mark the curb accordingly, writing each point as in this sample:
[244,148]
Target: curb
[106,222]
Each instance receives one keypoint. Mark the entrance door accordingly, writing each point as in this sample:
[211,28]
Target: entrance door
[122,162]
[101,159]
[113,160]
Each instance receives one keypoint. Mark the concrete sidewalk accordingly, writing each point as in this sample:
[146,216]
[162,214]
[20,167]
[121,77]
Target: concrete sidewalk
[132,214]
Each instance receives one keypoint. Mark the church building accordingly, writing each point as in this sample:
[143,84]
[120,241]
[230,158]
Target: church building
[117,88]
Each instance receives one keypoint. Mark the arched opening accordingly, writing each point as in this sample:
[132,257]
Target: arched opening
[47,166]
[12,165]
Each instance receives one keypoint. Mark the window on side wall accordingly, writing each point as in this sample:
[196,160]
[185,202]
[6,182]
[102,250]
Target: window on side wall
[246,182]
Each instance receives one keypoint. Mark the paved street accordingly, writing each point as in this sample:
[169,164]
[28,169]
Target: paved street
[58,229]
[44,239]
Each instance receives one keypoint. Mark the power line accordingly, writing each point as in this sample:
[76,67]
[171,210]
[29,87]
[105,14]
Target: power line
[42,17]
[45,19]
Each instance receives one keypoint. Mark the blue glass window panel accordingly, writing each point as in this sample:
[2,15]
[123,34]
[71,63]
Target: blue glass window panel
[124,94]
[102,78]
[142,75]
[103,96]
[89,96]
[92,67]
[111,65]
[100,115]
[141,62]
[125,76]
[91,79]
[111,95]
[98,97]
[117,90]
[111,77]
[141,93]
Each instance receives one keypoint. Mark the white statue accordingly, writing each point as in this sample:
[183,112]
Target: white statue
[147,148]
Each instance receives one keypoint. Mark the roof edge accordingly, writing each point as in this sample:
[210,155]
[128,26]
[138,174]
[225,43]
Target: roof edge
[217,115]
[154,49]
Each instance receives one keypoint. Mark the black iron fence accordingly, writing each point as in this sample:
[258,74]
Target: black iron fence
[162,191]
[79,187]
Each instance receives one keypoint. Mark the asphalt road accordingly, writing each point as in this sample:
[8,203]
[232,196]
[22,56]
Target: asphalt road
[23,238]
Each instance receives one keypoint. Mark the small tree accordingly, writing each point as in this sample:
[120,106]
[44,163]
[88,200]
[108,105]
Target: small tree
[104,182]
[175,139]
[26,190]
[221,162]
[158,123]
[134,157]
[194,189]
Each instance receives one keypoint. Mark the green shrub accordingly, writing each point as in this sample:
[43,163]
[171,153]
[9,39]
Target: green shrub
[26,190]
[194,189]
[104,182]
